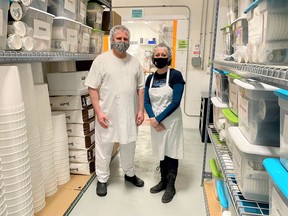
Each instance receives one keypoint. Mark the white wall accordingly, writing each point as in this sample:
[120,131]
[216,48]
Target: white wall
[197,80]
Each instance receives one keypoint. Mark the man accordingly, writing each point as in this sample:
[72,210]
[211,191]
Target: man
[116,88]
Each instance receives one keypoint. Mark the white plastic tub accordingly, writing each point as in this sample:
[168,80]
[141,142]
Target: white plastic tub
[81,11]
[84,38]
[278,203]
[94,15]
[283,103]
[4,5]
[258,112]
[251,176]
[63,8]
[40,4]
[218,117]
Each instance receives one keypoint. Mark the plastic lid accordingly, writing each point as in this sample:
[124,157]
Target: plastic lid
[221,194]
[254,85]
[235,76]
[282,93]
[278,174]
[245,146]
[218,103]
[218,71]
[230,116]
[214,168]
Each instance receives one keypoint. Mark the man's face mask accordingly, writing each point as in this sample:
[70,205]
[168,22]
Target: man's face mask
[121,46]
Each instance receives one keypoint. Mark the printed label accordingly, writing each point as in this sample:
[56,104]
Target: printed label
[85,40]
[92,126]
[70,5]
[99,18]
[42,30]
[1,23]
[72,37]
[243,110]
[233,95]
[90,113]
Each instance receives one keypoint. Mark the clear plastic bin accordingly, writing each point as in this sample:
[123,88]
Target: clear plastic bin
[251,176]
[231,120]
[283,103]
[41,23]
[258,112]
[278,202]
[65,8]
[233,92]
[96,41]
[65,33]
[4,6]
[84,38]
[240,32]
[221,85]
[40,4]
[81,11]
[218,116]
[216,175]
[94,15]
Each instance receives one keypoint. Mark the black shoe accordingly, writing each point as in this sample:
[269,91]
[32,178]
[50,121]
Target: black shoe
[159,187]
[134,180]
[101,189]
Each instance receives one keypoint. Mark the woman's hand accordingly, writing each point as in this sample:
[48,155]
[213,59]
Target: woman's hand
[153,122]
[160,127]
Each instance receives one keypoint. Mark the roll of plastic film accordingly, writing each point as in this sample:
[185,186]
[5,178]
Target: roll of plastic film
[27,43]
[268,110]
[16,11]
[17,27]
[14,42]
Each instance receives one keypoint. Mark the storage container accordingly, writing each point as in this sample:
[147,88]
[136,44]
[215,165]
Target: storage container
[40,4]
[84,38]
[221,85]
[252,179]
[67,83]
[81,142]
[82,168]
[278,203]
[81,11]
[216,175]
[258,112]
[41,23]
[240,32]
[63,8]
[96,41]
[79,116]
[65,35]
[231,120]
[82,155]
[94,15]
[233,93]
[4,6]
[227,39]
[81,129]
[70,102]
[283,103]
[218,117]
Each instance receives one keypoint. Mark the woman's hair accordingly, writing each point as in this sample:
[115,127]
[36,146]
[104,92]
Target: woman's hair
[168,49]
[118,28]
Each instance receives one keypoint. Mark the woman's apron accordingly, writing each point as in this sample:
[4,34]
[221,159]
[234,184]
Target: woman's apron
[170,141]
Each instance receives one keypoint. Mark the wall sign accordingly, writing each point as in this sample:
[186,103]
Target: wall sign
[137,13]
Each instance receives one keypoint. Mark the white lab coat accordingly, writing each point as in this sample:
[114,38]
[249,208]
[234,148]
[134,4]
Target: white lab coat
[170,141]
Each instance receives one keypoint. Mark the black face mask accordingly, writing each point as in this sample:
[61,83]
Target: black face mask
[160,62]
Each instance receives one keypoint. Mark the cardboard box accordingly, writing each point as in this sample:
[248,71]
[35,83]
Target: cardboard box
[79,116]
[82,155]
[70,102]
[82,168]
[81,129]
[81,142]
[116,20]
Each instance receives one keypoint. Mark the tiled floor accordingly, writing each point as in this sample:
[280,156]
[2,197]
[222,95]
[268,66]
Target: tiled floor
[125,200]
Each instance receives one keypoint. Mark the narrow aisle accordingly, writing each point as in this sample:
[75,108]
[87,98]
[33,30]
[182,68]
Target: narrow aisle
[124,199]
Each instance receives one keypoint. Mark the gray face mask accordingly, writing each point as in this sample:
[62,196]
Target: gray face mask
[121,46]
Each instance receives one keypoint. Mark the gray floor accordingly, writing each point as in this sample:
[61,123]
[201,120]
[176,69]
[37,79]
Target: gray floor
[125,200]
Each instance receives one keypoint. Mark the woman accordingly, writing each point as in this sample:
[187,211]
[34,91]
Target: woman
[163,93]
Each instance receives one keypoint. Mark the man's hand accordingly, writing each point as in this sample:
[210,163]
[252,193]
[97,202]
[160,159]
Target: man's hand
[139,118]
[103,120]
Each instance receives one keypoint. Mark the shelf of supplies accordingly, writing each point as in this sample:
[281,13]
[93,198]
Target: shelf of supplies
[19,56]
[271,74]
[242,206]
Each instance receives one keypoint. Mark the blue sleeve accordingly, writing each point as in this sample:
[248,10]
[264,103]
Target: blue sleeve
[147,102]
[175,103]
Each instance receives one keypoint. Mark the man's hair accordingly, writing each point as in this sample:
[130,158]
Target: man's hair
[118,28]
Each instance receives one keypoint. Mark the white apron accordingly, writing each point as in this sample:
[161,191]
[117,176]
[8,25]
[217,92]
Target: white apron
[170,141]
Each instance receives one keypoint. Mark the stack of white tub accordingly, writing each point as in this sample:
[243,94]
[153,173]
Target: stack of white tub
[256,137]
[47,138]
[61,152]
[13,145]
[33,135]
[3,206]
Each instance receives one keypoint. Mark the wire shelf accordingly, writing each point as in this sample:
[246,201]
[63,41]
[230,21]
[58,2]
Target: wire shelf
[21,57]
[271,74]
[242,206]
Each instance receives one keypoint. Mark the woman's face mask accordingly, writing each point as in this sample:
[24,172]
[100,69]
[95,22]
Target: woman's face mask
[121,46]
[160,62]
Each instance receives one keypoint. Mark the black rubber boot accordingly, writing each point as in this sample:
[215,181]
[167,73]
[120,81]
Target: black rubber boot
[170,189]
[163,182]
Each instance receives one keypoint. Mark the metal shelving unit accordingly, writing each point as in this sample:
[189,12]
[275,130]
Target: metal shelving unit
[24,57]
[242,206]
